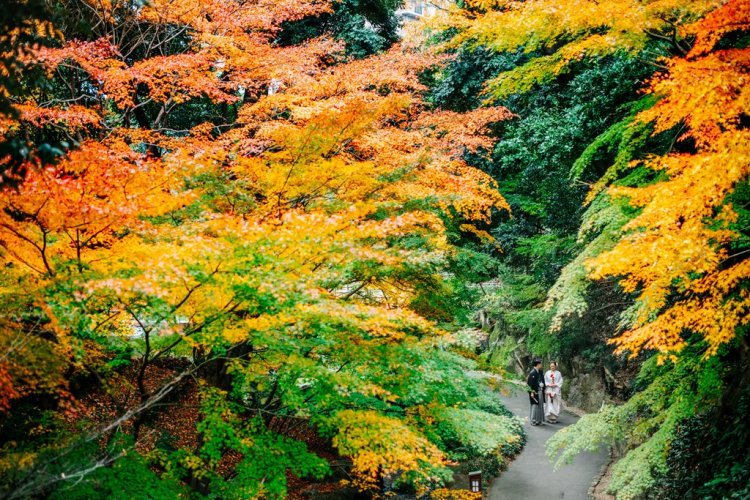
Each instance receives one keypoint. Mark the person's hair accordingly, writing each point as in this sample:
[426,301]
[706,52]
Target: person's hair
[553,362]
[536,361]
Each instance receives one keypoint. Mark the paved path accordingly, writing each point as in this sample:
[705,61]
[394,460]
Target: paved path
[530,475]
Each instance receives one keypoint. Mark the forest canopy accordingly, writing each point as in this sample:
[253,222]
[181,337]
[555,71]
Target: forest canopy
[244,242]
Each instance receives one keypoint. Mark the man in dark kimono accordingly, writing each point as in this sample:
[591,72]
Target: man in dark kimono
[535,382]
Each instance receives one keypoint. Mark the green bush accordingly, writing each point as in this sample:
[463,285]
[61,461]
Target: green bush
[479,440]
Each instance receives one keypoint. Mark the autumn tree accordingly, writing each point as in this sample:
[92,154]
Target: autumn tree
[688,222]
[249,233]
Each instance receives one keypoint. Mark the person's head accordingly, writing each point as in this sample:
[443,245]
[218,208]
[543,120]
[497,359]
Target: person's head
[537,363]
[552,365]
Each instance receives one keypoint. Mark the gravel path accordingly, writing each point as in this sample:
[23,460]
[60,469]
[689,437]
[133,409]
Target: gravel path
[530,475]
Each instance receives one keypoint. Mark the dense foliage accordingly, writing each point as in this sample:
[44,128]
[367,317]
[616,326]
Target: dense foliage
[240,239]
[627,172]
[241,269]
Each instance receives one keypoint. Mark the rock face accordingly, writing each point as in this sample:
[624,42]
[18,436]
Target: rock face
[585,391]
[583,387]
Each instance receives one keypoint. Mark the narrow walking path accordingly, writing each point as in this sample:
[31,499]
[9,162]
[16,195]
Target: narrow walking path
[530,475]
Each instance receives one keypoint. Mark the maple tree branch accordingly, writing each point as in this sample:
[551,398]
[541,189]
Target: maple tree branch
[271,394]
[609,306]
[88,240]
[676,137]
[296,160]
[140,115]
[357,289]
[79,263]
[656,65]
[22,260]
[180,31]
[163,113]
[147,358]
[52,102]
[658,36]
[69,84]
[106,320]
[20,341]
[672,39]
[196,329]
[43,251]
[100,17]
[140,381]
[41,248]
[735,255]
[33,487]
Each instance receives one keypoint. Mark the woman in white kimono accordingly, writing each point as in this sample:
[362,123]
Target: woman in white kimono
[553,382]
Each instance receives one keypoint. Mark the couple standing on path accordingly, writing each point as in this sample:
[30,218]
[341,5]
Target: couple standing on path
[545,391]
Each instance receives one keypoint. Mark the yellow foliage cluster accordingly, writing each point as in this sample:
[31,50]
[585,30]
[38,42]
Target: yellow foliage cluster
[445,494]
[383,446]
[561,34]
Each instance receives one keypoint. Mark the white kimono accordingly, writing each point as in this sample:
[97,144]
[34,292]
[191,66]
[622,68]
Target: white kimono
[553,382]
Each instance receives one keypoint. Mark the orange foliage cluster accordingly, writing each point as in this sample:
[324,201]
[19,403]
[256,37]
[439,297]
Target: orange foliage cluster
[65,210]
[232,18]
[7,391]
[676,253]
[74,117]
[732,17]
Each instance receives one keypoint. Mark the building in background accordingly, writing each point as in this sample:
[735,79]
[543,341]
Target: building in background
[415,9]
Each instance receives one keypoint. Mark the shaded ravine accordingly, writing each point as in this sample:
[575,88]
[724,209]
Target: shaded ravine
[531,476]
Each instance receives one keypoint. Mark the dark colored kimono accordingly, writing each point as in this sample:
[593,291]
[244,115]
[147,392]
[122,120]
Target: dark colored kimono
[535,382]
